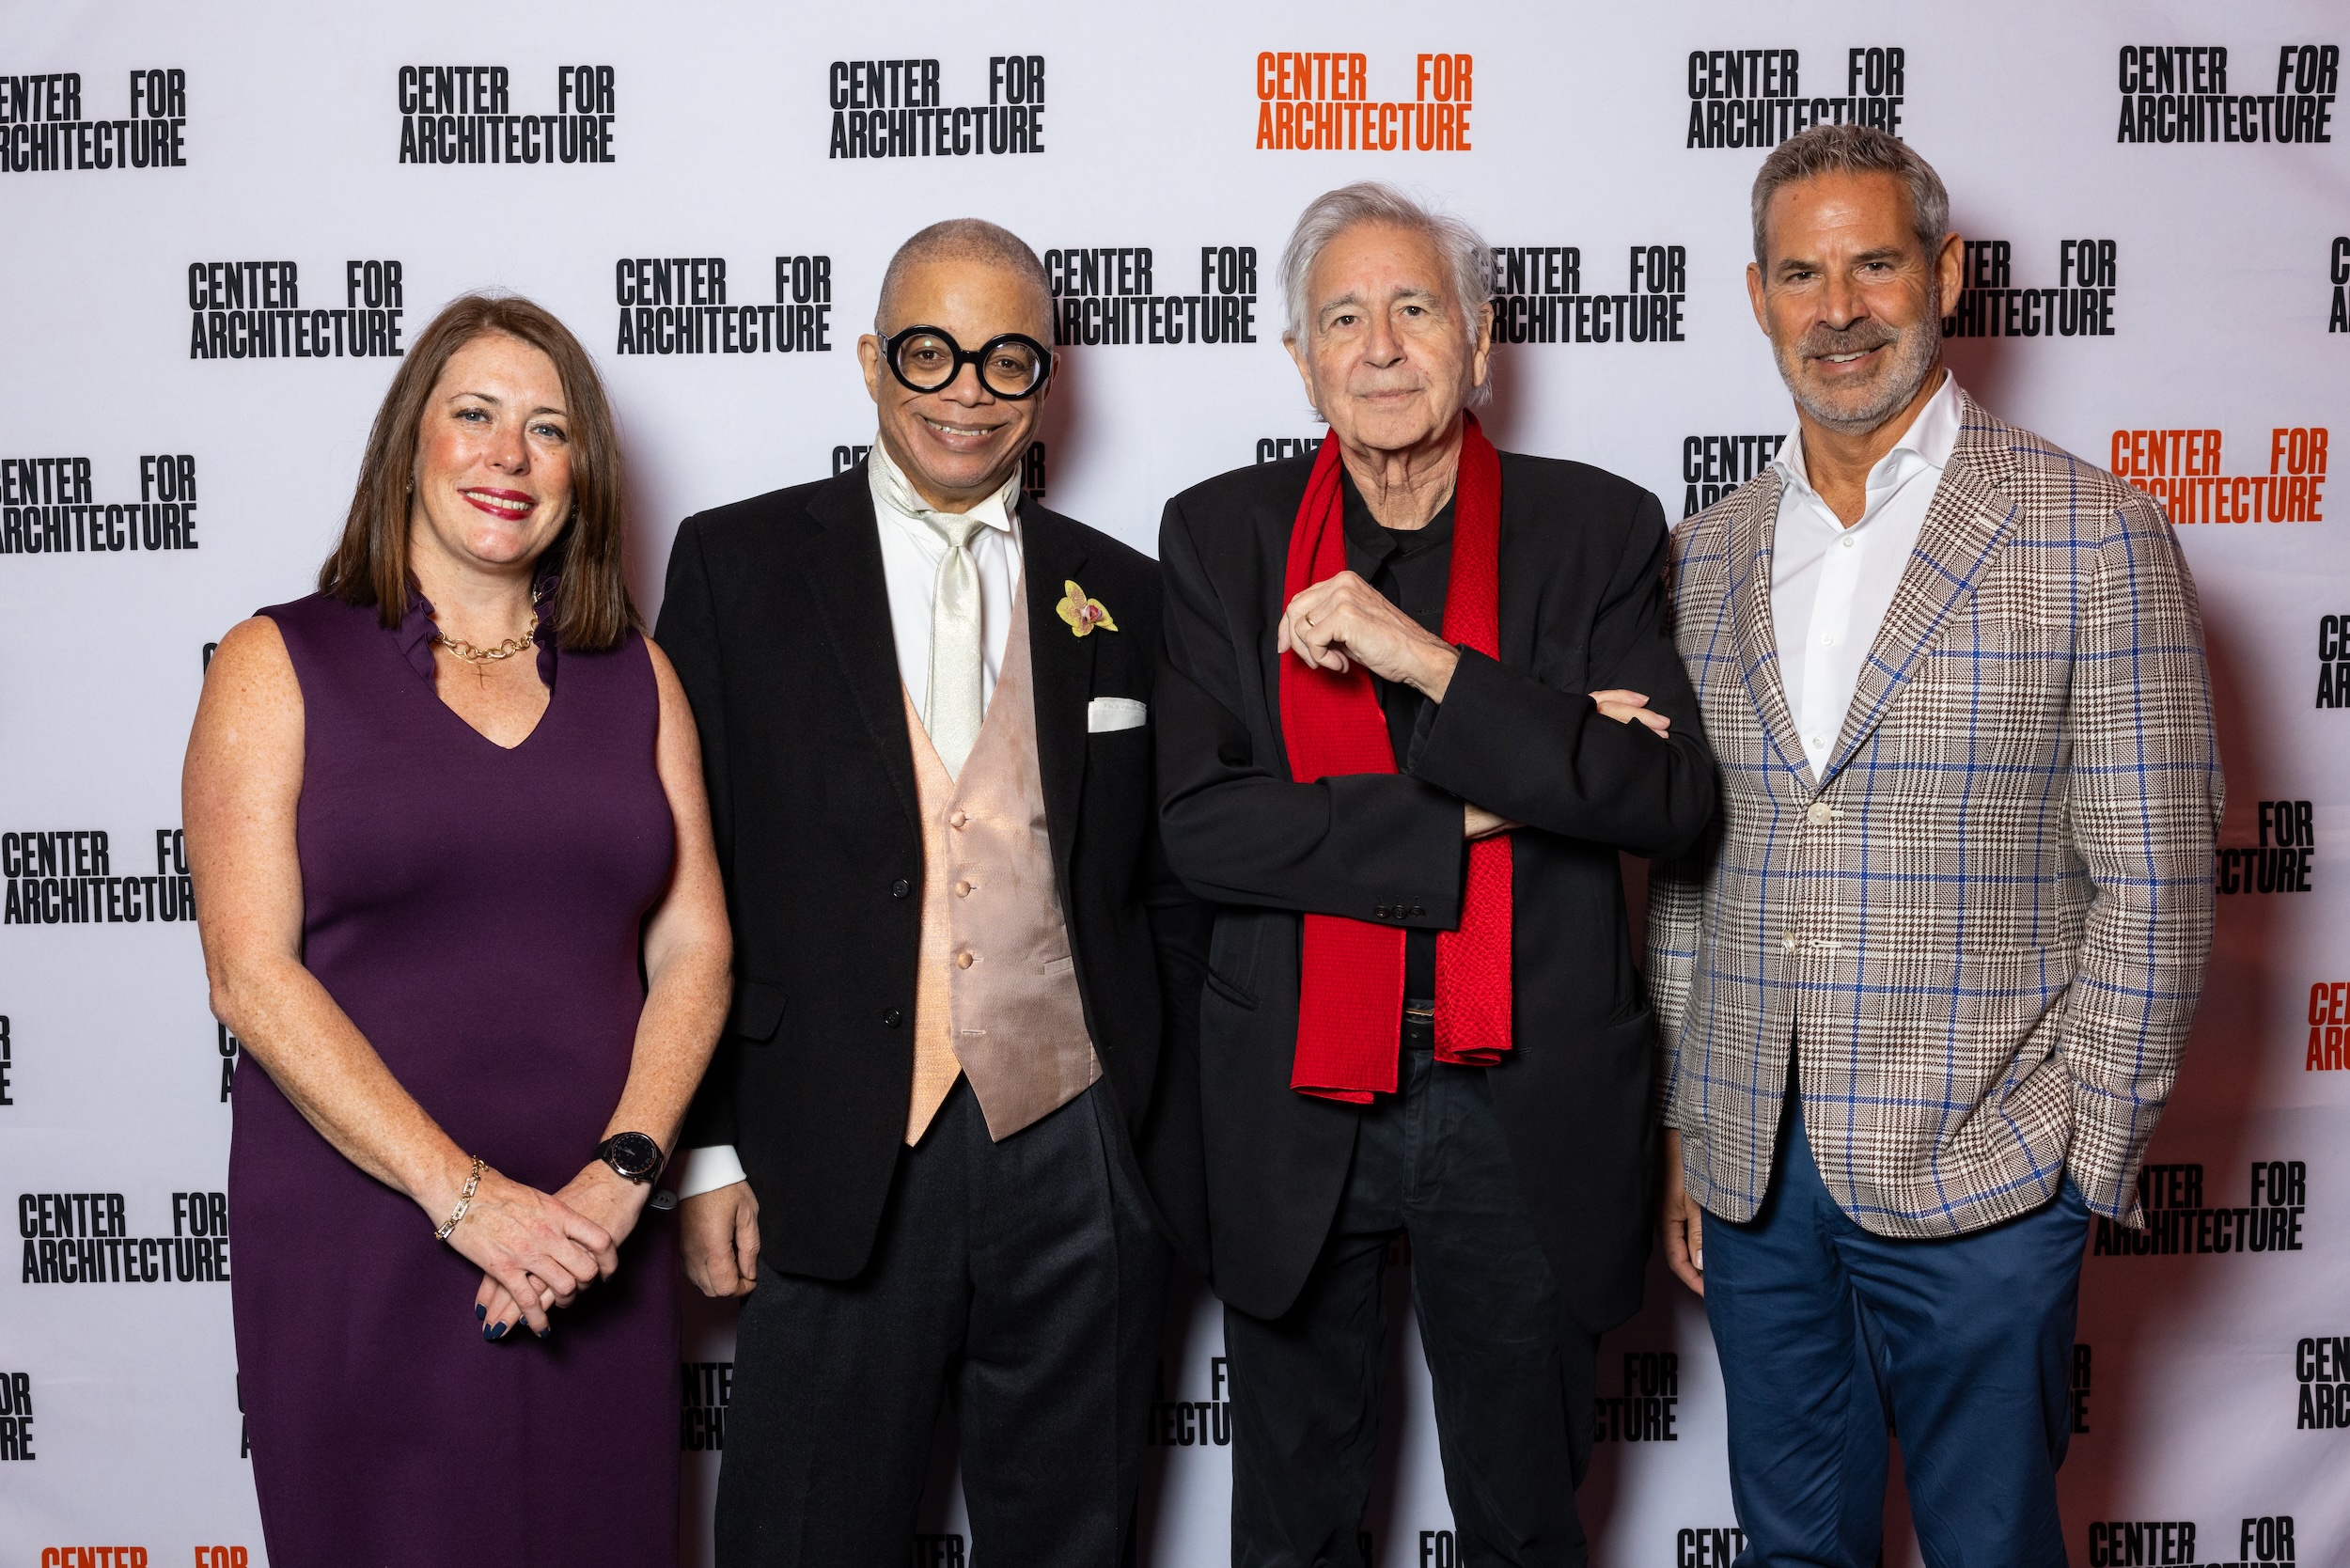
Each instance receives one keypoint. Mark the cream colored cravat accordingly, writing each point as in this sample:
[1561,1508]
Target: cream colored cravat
[926,620]
[957,697]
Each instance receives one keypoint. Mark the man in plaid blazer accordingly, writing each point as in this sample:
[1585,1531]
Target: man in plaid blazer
[1924,995]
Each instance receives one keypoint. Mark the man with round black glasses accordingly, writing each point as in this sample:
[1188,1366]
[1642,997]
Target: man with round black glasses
[925,705]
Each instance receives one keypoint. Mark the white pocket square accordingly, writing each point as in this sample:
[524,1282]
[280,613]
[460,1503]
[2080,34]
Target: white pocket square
[1104,714]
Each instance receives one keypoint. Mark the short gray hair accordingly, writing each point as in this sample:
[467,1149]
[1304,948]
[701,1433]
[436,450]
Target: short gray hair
[1854,149]
[960,240]
[1333,212]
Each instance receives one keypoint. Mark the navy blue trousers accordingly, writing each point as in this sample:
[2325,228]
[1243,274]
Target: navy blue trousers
[1831,1336]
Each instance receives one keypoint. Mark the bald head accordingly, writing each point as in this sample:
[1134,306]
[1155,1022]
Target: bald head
[973,241]
[971,282]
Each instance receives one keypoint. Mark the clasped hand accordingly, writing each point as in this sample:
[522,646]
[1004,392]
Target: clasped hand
[538,1251]
[1344,620]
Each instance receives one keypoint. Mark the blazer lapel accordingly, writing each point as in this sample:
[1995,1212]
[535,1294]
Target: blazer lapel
[850,599]
[1061,669]
[1753,530]
[1519,596]
[1965,525]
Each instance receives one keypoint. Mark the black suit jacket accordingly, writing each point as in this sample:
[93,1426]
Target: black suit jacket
[1582,610]
[777,621]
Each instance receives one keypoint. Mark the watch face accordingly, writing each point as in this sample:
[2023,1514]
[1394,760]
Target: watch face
[633,1155]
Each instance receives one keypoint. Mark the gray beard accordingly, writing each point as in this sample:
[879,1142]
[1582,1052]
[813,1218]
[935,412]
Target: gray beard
[1915,354]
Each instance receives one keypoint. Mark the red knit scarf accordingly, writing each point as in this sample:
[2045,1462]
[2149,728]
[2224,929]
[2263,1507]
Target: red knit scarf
[1351,1000]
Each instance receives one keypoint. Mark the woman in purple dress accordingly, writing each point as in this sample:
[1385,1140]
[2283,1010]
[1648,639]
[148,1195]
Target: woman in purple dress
[460,904]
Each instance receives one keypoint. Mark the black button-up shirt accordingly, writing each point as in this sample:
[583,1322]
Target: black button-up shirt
[1411,568]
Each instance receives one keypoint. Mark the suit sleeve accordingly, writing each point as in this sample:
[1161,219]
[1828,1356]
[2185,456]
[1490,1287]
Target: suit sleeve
[1676,895]
[1549,759]
[1237,829]
[688,633]
[1676,900]
[1172,1148]
[2144,796]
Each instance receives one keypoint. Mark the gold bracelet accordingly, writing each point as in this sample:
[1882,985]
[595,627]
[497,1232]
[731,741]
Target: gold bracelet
[463,1199]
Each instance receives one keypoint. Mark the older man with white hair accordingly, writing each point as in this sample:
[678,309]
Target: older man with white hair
[1383,761]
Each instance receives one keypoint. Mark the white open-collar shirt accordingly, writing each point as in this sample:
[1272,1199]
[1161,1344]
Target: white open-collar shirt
[910,552]
[1831,585]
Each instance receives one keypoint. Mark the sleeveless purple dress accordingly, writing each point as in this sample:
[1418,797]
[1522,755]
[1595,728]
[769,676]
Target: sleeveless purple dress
[477,912]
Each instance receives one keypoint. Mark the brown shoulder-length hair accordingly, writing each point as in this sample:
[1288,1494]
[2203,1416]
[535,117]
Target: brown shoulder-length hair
[592,609]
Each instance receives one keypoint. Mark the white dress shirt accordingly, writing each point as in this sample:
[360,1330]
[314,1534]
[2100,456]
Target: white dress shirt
[911,552]
[1831,585]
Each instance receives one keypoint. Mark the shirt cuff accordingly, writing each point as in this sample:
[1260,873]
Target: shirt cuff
[706,1169]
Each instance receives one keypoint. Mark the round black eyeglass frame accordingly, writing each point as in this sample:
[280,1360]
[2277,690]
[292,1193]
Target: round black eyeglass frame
[976,358]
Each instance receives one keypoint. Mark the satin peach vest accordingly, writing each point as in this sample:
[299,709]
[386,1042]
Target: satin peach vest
[995,995]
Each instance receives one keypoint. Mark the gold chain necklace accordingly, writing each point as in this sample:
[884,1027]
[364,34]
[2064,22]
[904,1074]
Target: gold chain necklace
[505,649]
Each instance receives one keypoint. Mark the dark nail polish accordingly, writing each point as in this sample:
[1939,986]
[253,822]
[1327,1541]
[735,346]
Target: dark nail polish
[544,1332]
[479,1312]
[494,1332]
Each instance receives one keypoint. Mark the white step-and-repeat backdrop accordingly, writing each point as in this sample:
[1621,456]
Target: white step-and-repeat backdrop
[221,224]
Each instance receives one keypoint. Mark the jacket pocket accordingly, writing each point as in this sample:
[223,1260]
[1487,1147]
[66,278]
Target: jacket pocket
[1108,714]
[1564,668]
[1229,991]
[757,1009]
[1231,967]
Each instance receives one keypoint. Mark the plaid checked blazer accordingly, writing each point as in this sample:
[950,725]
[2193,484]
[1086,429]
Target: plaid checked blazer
[1982,931]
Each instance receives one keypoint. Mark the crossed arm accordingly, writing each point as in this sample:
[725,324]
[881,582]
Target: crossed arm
[1502,750]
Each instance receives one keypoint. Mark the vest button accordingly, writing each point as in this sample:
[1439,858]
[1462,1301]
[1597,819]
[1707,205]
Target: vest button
[957,820]
[892,1018]
[963,889]
[900,888]
[962,961]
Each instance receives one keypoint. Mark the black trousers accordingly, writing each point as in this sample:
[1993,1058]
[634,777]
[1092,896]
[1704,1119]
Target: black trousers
[1513,1374]
[1025,1277]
